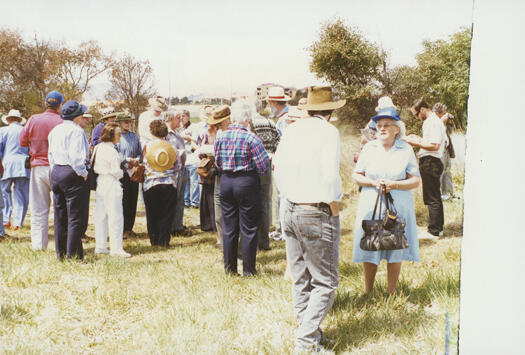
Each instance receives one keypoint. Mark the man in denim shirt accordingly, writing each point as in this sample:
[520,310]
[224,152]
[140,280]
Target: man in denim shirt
[307,175]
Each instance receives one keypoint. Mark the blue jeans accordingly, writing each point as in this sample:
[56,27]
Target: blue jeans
[18,208]
[312,252]
[192,194]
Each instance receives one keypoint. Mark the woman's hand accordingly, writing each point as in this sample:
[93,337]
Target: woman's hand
[389,184]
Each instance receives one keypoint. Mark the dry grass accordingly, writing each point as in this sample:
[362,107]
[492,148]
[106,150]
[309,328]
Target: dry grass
[179,300]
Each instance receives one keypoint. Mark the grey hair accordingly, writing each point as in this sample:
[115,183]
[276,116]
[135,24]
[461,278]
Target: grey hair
[402,129]
[241,111]
[439,107]
[171,113]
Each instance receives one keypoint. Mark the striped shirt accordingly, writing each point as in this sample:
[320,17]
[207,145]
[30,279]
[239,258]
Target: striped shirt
[239,150]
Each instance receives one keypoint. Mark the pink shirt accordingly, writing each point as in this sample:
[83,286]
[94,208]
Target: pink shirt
[34,135]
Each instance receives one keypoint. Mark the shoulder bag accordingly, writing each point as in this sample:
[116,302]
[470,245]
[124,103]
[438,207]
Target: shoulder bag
[387,233]
[92,176]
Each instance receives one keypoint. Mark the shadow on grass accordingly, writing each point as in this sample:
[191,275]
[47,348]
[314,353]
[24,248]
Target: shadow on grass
[380,315]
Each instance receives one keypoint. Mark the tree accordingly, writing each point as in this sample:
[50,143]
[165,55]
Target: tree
[185,101]
[174,100]
[78,66]
[131,81]
[445,68]
[351,65]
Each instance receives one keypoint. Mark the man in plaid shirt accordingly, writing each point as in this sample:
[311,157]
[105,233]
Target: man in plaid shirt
[241,157]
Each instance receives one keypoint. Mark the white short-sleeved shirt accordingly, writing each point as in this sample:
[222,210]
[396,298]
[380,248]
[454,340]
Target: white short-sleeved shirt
[434,131]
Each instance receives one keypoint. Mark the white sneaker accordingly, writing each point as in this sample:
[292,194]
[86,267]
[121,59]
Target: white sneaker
[428,235]
[275,235]
[120,253]
[102,251]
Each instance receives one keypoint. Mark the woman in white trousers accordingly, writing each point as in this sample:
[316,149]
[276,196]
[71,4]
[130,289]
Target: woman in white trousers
[108,196]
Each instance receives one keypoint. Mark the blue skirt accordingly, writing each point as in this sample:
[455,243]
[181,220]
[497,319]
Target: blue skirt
[404,204]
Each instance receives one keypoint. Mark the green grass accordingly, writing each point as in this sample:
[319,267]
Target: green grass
[179,300]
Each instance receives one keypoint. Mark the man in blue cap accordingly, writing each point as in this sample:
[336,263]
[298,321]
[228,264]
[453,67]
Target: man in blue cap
[69,158]
[34,135]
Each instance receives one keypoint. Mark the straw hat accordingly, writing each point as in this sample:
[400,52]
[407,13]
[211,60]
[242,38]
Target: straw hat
[109,115]
[15,114]
[294,113]
[123,116]
[276,93]
[220,114]
[320,98]
[160,155]
[384,102]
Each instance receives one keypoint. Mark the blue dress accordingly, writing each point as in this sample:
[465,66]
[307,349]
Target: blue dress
[395,164]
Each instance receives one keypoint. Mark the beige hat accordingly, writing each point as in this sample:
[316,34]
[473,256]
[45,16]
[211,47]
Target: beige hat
[276,93]
[123,116]
[220,114]
[160,155]
[320,98]
[158,103]
[110,115]
[384,102]
[294,113]
[14,114]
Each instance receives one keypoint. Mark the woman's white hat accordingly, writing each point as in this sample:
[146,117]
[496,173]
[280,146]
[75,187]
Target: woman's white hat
[13,113]
[384,102]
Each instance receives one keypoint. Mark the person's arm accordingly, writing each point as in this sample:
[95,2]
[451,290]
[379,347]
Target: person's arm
[260,156]
[24,135]
[417,141]
[77,154]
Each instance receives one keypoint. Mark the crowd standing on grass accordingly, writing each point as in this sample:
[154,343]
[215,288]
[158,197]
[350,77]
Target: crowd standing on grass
[228,165]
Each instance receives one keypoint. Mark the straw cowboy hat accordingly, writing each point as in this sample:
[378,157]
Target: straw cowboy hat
[320,98]
[158,103]
[123,116]
[13,114]
[206,112]
[276,93]
[295,113]
[161,155]
[384,102]
[220,114]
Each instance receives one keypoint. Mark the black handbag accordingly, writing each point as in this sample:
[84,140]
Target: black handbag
[92,176]
[387,233]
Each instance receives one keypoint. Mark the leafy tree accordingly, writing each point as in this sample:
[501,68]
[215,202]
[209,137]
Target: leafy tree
[445,67]
[185,101]
[131,81]
[351,64]
[174,100]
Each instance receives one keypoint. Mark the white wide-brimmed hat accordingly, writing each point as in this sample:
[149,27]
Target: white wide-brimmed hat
[276,93]
[384,102]
[15,114]
[158,103]
[161,155]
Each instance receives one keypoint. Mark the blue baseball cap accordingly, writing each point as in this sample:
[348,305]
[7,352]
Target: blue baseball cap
[387,112]
[72,109]
[54,98]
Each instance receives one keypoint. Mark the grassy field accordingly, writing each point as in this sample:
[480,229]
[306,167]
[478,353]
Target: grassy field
[179,301]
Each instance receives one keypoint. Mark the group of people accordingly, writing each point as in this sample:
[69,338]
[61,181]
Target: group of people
[235,155]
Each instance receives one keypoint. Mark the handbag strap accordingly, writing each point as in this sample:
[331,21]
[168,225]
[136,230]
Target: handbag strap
[379,200]
[389,202]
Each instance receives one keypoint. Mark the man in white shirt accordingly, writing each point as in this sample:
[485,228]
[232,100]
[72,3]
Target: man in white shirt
[431,145]
[156,106]
[307,174]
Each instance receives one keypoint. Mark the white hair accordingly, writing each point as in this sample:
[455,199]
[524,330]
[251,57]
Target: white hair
[402,129]
[242,111]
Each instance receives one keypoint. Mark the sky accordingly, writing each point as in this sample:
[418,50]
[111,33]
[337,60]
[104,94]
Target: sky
[221,47]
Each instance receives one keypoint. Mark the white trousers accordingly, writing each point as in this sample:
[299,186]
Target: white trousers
[39,202]
[108,212]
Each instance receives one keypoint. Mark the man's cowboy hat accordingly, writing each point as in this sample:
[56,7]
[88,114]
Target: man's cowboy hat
[161,155]
[158,103]
[276,93]
[123,116]
[14,114]
[384,102]
[220,114]
[320,98]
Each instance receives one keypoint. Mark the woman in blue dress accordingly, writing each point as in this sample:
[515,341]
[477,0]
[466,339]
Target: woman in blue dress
[388,161]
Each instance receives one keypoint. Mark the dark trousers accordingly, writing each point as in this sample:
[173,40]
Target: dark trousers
[240,202]
[266,211]
[431,169]
[130,194]
[178,224]
[207,208]
[160,203]
[71,210]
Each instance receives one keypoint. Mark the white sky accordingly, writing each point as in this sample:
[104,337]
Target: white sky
[214,47]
